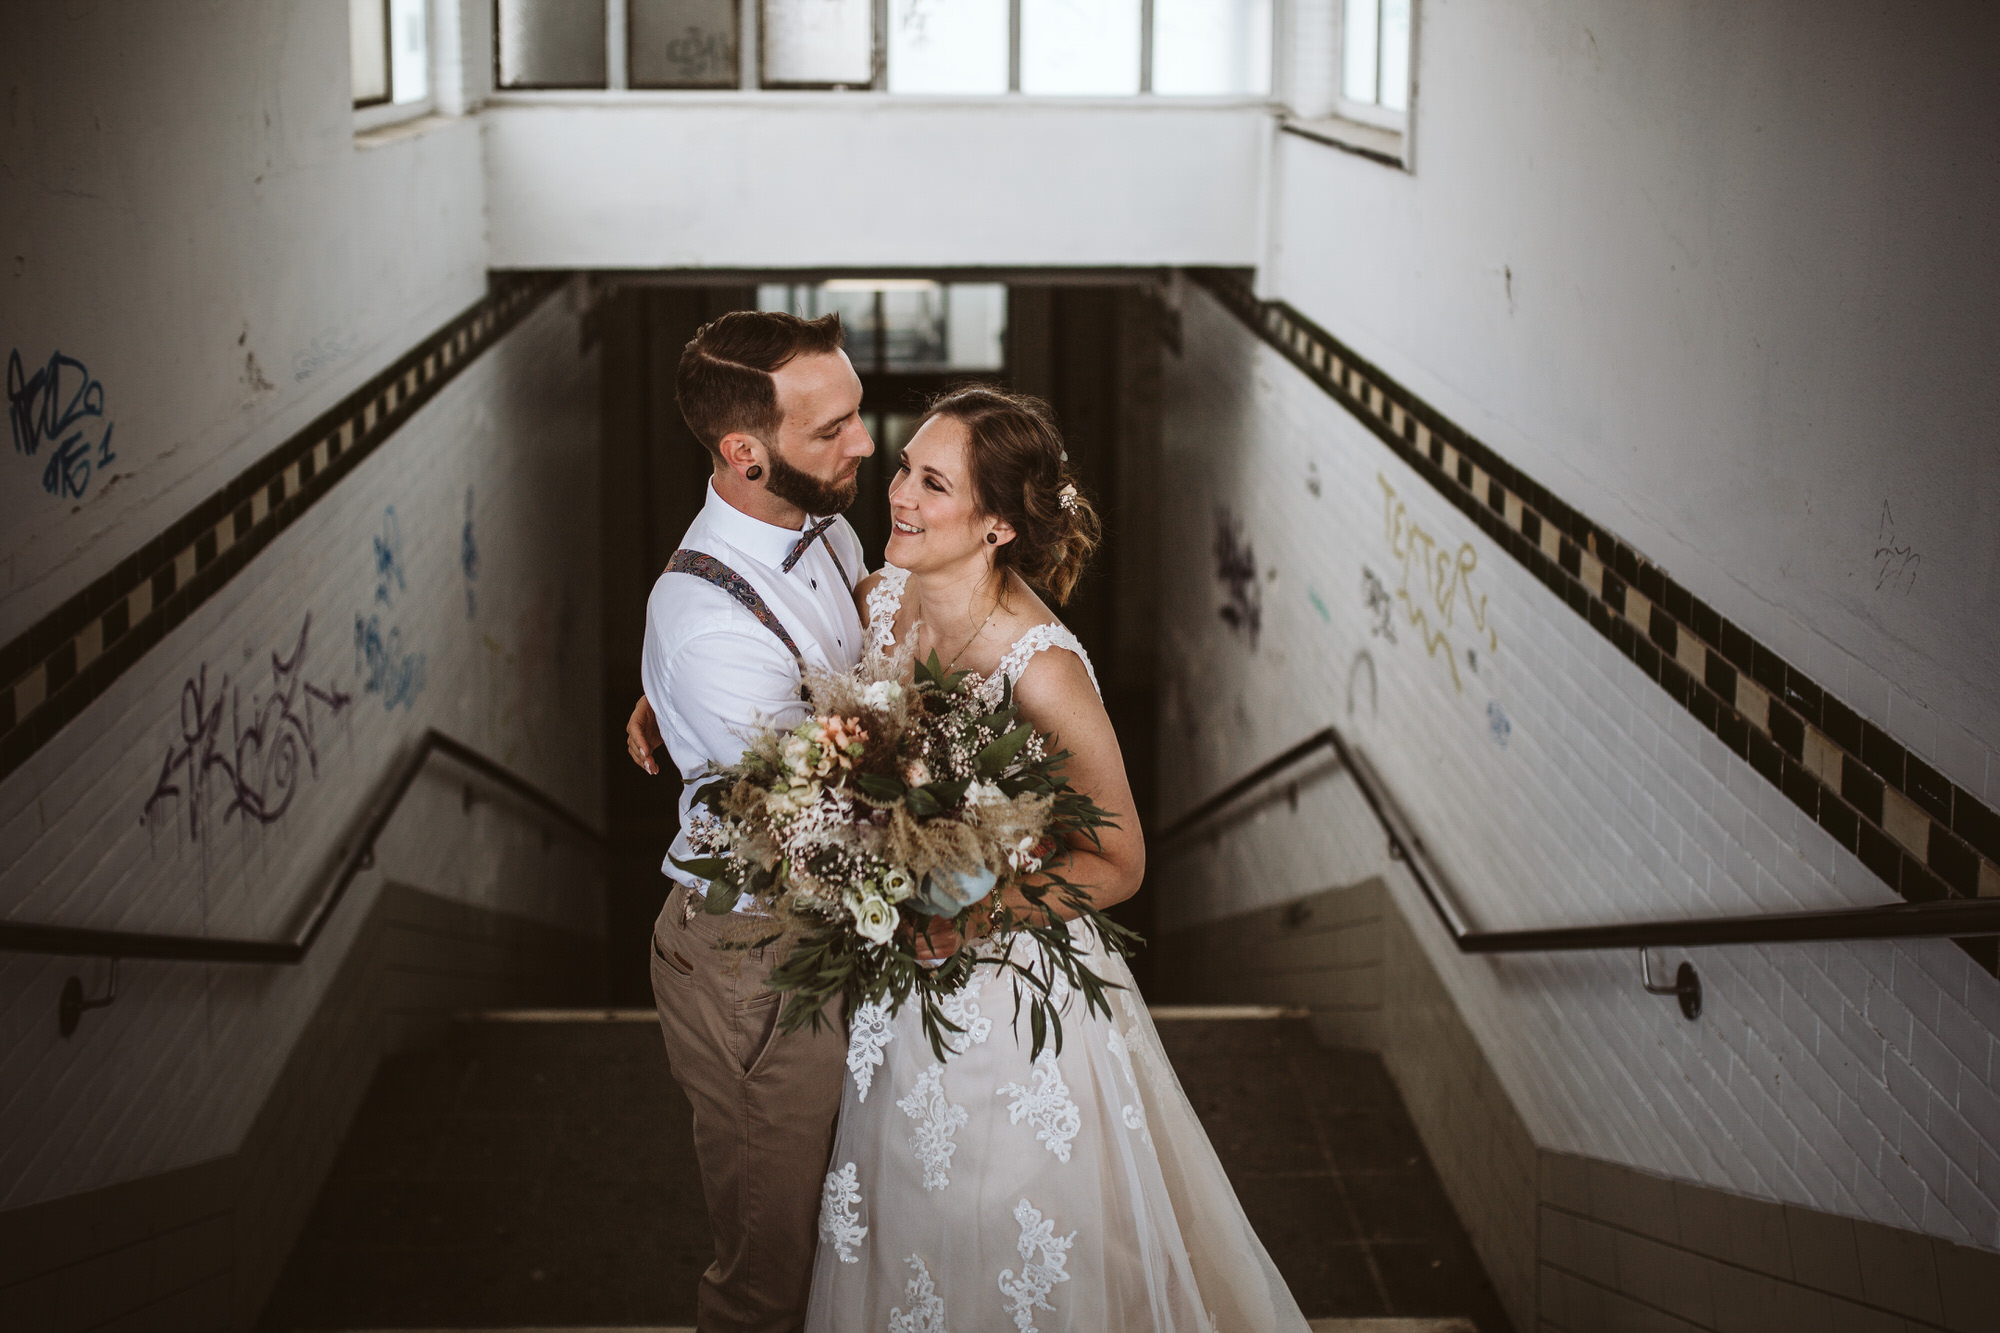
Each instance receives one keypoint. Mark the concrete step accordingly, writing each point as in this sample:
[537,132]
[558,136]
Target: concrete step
[1318,1326]
[535,1171]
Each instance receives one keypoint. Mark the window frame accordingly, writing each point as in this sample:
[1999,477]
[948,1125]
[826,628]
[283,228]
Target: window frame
[1320,110]
[379,113]
[1373,113]
[751,77]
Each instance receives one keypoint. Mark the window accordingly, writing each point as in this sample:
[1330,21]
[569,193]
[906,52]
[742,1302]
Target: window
[1375,61]
[819,43]
[1095,48]
[1211,47]
[948,46]
[906,325]
[682,43]
[549,44]
[389,53]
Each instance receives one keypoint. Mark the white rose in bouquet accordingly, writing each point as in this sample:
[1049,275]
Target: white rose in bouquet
[874,918]
[898,884]
[881,694]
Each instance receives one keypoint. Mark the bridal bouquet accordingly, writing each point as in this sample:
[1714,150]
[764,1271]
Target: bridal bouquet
[890,805]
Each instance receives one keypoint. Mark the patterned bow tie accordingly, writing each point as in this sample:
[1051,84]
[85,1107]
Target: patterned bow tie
[813,534]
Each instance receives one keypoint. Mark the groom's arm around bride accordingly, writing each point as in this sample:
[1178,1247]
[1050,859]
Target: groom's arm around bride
[760,588]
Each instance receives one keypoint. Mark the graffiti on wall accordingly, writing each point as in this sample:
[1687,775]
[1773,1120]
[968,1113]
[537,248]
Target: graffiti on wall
[61,406]
[1434,589]
[385,666]
[1894,559]
[1236,570]
[468,559]
[255,753]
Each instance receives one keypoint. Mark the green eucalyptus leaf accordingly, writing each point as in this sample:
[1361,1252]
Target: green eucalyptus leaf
[995,757]
[881,786]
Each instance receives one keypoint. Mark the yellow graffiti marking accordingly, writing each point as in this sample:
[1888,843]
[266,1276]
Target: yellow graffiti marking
[1443,580]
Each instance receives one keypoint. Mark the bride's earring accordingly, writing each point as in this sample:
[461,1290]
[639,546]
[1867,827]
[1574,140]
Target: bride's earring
[992,539]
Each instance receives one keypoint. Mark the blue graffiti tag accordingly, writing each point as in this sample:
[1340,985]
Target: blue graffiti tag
[43,409]
[389,559]
[1497,723]
[396,675]
[468,558]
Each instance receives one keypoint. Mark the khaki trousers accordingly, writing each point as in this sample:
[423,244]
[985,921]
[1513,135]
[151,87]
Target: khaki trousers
[764,1108]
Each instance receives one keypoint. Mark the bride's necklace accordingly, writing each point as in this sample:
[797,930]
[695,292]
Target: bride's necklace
[953,659]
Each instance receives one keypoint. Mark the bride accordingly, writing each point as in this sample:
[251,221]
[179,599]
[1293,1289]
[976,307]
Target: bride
[1076,1191]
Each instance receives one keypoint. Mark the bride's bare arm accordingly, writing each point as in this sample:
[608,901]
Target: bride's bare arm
[1056,695]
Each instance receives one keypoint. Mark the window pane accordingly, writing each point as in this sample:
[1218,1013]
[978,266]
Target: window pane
[1396,54]
[1359,47]
[682,43]
[819,42]
[975,326]
[410,66]
[368,50]
[551,43]
[1080,46]
[1211,46]
[947,46]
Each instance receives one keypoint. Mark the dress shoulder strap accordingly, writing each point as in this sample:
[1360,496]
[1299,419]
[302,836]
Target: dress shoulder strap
[1054,634]
[709,570]
[884,600]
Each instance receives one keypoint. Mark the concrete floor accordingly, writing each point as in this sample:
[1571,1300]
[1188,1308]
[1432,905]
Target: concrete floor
[541,1175]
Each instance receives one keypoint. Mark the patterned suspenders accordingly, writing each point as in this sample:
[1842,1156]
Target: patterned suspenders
[710,570]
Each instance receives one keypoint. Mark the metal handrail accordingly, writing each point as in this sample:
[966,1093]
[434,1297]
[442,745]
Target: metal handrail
[350,857]
[1952,918]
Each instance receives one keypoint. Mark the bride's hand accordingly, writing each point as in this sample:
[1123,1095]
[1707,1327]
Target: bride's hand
[937,940]
[642,735]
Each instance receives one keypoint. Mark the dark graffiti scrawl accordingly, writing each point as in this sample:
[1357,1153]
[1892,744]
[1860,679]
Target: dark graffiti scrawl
[62,406]
[254,750]
[1236,570]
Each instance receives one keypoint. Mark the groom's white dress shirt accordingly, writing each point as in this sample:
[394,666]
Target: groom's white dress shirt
[712,671]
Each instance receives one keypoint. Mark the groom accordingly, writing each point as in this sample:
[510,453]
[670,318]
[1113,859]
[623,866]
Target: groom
[759,589]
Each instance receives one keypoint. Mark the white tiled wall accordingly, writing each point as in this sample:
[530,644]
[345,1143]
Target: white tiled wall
[1556,785]
[175,1070]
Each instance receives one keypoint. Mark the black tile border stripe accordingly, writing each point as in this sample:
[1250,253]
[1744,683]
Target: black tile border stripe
[1925,836]
[60,665]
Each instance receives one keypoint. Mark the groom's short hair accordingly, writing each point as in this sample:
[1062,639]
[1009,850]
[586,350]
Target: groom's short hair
[724,382]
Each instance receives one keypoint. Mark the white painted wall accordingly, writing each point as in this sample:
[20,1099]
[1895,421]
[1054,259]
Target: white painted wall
[174,1072]
[1555,784]
[802,180]
[1722,277]
[188,213]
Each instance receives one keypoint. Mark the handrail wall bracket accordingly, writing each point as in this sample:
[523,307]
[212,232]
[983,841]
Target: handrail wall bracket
[349,858]
[1950,918]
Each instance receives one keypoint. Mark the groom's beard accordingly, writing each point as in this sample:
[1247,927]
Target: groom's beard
[816,497]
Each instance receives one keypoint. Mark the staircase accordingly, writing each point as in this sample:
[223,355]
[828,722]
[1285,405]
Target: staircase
[536,1171]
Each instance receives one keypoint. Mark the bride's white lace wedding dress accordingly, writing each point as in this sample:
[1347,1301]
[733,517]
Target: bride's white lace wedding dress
[1075,1192]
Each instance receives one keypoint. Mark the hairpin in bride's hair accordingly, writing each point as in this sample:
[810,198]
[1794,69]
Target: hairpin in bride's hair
[1066,497]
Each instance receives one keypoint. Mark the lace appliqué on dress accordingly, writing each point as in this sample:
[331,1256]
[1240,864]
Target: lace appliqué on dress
[884,600]
[961,1010]
[1029,1292]
[1046,1105]
[937,1119]
[867,1033]
[1054,634]
[1133,1112]
[926,1313]
[840,1213]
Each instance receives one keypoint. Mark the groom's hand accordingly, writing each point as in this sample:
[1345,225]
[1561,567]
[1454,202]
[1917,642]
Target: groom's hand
[642,735]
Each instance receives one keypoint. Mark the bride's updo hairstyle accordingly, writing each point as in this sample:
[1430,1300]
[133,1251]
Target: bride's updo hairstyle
[1019,473]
